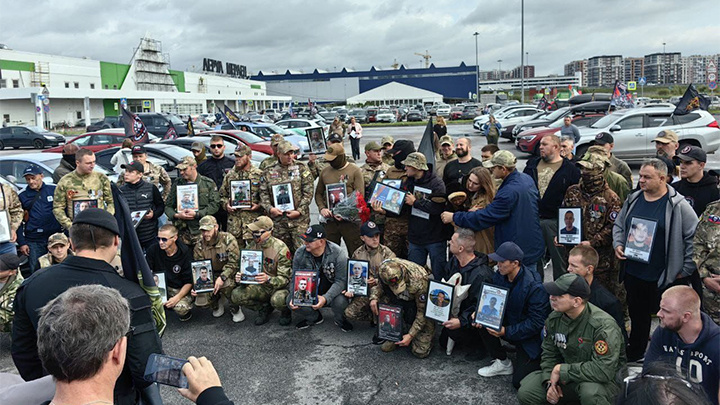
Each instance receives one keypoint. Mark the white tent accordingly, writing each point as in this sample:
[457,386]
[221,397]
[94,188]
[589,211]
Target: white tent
[395,93]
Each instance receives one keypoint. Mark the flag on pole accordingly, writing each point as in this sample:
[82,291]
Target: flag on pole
[543,103]
[134,127]
[690,101]
[190,127]
[171,132]
[290,110]
[230,115]
[427,144]
[620,96]
[220,117]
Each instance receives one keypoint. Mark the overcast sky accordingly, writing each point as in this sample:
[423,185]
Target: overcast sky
[326,34]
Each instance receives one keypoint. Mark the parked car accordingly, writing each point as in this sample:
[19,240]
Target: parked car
[328,116]
[164,155]
[273,113]
[443,110]
[529,141]
[12,167]
[479,121]
[385,115]
[299,125]
[359,114]
[81,122]
[456,113]
[95,141]
[107,122]
[414,115]
[261,118]
[158,124]
[469,112]
[371,114]
[231,144]
[634,129]
[255,142]
[31,136]
[591,107]
[516,116]
[207,119]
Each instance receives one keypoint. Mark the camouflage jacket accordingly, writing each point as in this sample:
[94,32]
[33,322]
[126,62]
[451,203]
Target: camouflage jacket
[7,296]
[238,220]
[10,202]
[47,259]
[301,180]
[155,175]
[388,159]
[208,201]
[73,187]
[277,261]
[706,244]
[223,251]
[599,211]
[373,256]
[416,282]
[441,162]
[320,163]
[268,162]
[368,172]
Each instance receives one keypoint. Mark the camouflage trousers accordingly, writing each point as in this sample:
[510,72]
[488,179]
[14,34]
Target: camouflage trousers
[711,304]
[422,343]
[6,318]
[289,232]
[188,238]
[237,226]
[184,305]
[257,296]
[349,231]
[396,231]
[359,310]
[214,299]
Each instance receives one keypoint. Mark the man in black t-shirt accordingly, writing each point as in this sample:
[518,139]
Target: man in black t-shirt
[172,257]
[456,170]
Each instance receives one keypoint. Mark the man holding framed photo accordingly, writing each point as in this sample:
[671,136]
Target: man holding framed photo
[240,218]
[658,207]
[172,257]
[374,171]
[142,195]
[526,309]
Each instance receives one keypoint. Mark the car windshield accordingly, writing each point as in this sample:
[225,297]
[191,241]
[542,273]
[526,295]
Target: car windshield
[384,112]
[557,114]
[175,152]
[37,129]
[605,121]
[357,112]
[52,163]
[175,120]
[248,137]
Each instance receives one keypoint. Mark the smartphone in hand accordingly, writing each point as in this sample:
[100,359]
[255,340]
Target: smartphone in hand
[166,370]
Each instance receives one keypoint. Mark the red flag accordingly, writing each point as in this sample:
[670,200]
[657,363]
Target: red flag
[134,127]
[171,132]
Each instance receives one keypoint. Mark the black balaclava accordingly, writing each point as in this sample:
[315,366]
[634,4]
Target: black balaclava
[403,148]
[338,162]
[70,158]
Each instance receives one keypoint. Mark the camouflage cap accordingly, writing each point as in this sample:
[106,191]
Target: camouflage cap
[186,162]
[58,238]
[501,158]
[593,161]
[446,140]
[372,146]
[242,150]
[334,151]
[666,136]
[197,146]
[416,160]
[392,273]
[387,139]
[276,139]
[262,223]
[599,150]
[284,147]
[208,223]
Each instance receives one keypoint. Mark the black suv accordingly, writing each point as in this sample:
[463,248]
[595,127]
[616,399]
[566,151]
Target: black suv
[107,122]
[158,124]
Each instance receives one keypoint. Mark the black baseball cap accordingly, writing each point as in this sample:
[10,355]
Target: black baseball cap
[690,153]
[603,138]
[32,170]
[568,283]
[138,149]
[402,145]
[313,233]
[137,166]
[369,229]
[9,261]
[334,138]
[99,218]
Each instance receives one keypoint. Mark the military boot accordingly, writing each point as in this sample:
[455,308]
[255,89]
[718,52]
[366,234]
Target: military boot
[285,317]
[263,315]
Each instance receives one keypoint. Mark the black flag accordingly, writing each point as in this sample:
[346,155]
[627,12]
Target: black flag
[427,144]
[190,128]
[691,100]
[134,127]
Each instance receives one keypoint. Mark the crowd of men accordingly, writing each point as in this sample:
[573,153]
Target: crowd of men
[641,250]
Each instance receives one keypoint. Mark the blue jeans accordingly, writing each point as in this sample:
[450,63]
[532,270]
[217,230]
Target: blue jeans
[7,247]
[37,249]
[438,256]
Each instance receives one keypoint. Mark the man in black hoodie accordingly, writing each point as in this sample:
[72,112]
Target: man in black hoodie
[699,187]
[427,200]
[142,195]
[474,269]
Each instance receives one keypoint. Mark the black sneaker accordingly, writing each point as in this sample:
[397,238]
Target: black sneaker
[376,340]
[304,324]
[186,317]
[345,325]
[285,317]
[263,316]
[319,319]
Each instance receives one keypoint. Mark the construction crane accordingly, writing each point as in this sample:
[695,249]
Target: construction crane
[425,56]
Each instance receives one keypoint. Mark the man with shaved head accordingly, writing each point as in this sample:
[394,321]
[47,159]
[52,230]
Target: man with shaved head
[456,170]
[67,164]
[688,339]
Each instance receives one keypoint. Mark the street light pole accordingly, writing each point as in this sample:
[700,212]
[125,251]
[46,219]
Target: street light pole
[477,69]
[499,69]
[522,51]
[663,66]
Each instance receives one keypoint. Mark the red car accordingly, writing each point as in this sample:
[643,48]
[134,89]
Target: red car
[255,142]
[95,141]
[528,141]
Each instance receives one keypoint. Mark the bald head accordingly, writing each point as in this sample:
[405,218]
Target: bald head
[683,298]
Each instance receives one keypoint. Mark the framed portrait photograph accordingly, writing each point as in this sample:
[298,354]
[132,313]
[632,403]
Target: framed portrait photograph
[334,193]
[81,205]
[390,320]
[392,199]
[283,197]
[305,285]
[137,216]
[421,193]
[570,226]
[251,264]
[491,306]
[357,280]
[187,197]
[396,183]
[240,194]
[5,234]
[160,283]
[202,276]
[440,297]
[316,140]
[640,239]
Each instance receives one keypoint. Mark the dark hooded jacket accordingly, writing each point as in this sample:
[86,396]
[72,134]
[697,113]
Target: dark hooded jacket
[475,273]
[699,194]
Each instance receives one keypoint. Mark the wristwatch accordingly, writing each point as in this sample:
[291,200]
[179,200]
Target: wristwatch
[223,278]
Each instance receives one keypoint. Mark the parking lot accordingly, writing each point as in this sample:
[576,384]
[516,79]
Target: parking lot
[274,364]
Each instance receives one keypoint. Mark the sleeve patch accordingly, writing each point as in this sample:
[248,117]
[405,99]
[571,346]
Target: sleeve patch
[601,347]
[613,215]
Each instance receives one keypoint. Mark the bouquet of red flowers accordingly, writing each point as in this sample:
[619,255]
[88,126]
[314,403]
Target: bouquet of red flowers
[353,209]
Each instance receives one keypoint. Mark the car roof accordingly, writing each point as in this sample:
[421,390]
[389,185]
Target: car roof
[37,157]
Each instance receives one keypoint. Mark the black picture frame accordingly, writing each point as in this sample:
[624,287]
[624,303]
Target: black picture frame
[334,193]
[359,288]
[199,285]
[640,228]
[279,203]
[83,204]
[434,309]
[487,317]
[235,187]
[312,282]
[250,259]
[574,235]
[136,217]
[385,194]
[316,140]
[390,322]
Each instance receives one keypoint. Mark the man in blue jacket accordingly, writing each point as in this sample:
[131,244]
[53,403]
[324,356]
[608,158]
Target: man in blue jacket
[513,212]
[39,222]
[527,306]
[687,340]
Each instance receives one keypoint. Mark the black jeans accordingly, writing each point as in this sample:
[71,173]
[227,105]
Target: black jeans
[523,364]
[355,144]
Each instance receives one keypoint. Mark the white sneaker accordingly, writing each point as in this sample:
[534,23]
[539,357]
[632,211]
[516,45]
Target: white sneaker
[217,313]
[238,316]
[498,367]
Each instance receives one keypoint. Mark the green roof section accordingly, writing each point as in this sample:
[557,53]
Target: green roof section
[112,75]
[179,79]
[17,65]
[255,86]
